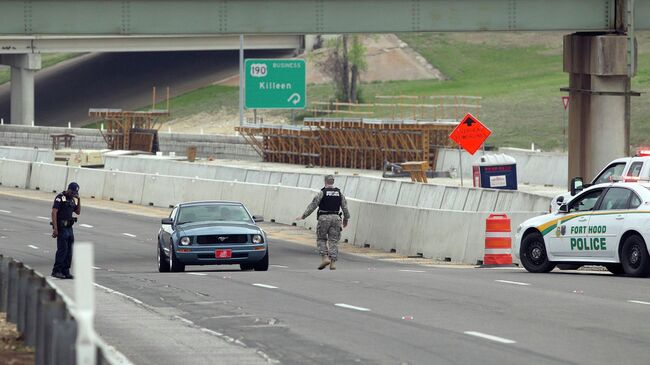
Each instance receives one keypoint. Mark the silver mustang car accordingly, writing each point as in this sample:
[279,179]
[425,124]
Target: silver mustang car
[211,233]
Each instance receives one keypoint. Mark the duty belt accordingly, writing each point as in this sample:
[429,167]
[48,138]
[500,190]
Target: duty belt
[66,223]
[325,212]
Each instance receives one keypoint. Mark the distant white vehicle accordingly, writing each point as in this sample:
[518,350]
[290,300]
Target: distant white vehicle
[606,224]
[629,168]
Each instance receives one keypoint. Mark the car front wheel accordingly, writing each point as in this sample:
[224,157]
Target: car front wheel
[634,257]
[533,254]
[174,264]
[163,264]
[263,264]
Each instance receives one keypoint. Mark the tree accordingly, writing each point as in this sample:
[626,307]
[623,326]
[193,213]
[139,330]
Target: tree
[344,65]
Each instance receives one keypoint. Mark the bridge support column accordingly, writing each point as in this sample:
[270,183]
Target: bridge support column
[23,69]
[599,91]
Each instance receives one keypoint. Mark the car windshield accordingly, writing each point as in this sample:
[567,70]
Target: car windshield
[213,212]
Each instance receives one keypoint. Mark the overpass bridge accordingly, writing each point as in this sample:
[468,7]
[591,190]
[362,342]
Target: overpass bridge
[599,54]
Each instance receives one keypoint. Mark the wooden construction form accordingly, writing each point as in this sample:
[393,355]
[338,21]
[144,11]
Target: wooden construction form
[351,143]
[129,130]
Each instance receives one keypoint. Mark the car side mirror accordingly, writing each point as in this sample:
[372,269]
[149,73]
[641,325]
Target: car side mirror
[576,185]
[258,218]
[560,200]
[564,208]
[167,221]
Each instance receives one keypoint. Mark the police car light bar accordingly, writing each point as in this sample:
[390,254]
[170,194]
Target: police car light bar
[644,151]
[628,179]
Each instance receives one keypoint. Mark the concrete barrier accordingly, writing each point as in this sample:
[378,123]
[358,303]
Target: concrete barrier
[488,200]
[124,187]
[91,181]
[225,173]
[439,234]
[252,195]
[368,189]
[289,179]
[431,196]
[27,154]
[349,233]
[473,200]
[275,178]
[389,191]
[283,204]
[15,173]
[48,177]
[409,194]
[258,176]
[504,200]
[351,187]
[164,191]
[454,198]
[378,226]
[304,181]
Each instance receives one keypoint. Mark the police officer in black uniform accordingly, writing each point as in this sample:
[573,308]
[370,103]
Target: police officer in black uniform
[330,203]
[65,204]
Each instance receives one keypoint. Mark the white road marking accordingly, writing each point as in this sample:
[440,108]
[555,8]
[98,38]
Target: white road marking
[343,305]
[118,293]
[5,211]
[490,337]
[638,302]
[86,225]
[266,286]
[185,320]
[281,266]
[43,218]
[197,273]
[512,282]
[97,268]
[129,235]
[412,271]
[34,247]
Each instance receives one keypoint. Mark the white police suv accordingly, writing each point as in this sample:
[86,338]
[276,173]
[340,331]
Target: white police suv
[605,224]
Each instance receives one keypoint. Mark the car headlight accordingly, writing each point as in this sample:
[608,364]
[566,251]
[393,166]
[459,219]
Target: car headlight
[184,241]
[257,238]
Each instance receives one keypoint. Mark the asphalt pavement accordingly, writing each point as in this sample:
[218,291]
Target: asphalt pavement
[368,311]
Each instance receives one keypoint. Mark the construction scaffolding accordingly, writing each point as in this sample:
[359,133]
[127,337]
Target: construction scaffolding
[131,130]
[350,142]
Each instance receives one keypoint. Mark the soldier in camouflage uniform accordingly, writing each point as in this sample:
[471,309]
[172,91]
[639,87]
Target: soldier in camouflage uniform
[330,202]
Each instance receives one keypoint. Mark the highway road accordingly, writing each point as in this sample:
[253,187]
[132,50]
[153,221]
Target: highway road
[66,91]
[368,311]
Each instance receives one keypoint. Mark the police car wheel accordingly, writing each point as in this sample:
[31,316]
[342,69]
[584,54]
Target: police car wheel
[616,269]
[163,265]
[174,264]
[533,254]
[634,257]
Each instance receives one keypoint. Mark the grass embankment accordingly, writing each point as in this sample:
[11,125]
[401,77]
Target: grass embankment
[47,60]
[519,77]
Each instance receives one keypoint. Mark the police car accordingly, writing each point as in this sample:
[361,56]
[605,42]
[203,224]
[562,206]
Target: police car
[605,224]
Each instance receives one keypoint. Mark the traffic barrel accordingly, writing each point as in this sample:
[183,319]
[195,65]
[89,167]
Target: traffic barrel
[498,244]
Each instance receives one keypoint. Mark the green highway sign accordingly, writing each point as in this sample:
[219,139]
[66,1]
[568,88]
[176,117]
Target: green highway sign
[275,84]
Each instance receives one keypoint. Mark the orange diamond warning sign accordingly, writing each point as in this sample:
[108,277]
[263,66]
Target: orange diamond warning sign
[470,133]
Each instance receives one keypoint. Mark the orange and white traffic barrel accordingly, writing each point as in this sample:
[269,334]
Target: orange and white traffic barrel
[498,244]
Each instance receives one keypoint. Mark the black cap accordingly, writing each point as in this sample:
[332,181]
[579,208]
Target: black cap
[73,186]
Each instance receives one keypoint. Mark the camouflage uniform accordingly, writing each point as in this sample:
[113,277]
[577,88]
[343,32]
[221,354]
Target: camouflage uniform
[328,230]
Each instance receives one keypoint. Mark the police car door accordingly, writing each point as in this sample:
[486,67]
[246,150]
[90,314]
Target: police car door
[606,224]
[571,233]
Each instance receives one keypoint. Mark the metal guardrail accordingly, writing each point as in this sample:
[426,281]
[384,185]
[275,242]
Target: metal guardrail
[46,318]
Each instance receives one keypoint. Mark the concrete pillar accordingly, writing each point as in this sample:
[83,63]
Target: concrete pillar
[23,69]
[598,90]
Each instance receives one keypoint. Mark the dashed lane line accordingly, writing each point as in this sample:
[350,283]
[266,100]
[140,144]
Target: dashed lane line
[197,273]
[32,246]
[5,211]
[638,302]
[129,235]
[348,306]
[280,266]
[419,271]
[512,282]
[97,268]
[86,225]
[265,286]
[490,337]
[43,218]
